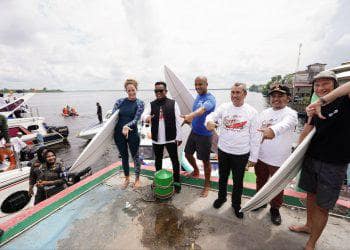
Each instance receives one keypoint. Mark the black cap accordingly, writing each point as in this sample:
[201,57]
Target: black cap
[279,88]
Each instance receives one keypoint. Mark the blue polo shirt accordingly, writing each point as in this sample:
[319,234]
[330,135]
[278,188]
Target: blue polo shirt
[208,102]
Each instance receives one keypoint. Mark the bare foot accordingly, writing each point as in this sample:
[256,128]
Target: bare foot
[300,229]
[194,174]
[137,184]
[205,192]
[126,183]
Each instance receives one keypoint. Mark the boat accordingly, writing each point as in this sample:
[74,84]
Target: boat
[89,132]
[14,196]
[32,127]
[91,209]
[67,112]
[96,148]
[34,130]
[9,109]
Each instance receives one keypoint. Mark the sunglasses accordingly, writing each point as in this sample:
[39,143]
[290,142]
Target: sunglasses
[159,90]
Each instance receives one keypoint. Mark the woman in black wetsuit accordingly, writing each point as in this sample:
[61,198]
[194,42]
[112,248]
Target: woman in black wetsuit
[125,132]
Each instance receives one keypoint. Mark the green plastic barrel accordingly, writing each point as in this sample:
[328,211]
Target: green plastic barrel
[163,184]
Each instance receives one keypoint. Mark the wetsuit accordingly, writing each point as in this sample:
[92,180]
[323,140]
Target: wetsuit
[129,114]
[99,113]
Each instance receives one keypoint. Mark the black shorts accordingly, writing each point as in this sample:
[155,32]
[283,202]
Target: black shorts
[323,179]
[200,144]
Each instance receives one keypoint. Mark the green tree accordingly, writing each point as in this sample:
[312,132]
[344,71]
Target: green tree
[275,79]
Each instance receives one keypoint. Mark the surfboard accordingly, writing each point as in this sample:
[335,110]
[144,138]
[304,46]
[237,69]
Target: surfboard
[184,98]
[97,146]
[178,91]
[282,177]
[11,107]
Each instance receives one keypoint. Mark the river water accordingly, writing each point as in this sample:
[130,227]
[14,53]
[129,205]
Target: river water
[50,106]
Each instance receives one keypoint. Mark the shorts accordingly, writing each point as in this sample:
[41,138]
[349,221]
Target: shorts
[323,179]
[200,144]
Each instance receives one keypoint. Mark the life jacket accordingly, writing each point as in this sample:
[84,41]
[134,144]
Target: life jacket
[8,154]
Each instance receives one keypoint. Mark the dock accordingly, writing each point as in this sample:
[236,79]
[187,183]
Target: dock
[97,214]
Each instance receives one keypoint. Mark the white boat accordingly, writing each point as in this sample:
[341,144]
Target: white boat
[34,129]
[14,185]
[89,132]
[184,99]
[8,109]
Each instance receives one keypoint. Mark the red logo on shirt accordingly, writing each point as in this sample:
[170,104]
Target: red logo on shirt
[233,123]
[238,125]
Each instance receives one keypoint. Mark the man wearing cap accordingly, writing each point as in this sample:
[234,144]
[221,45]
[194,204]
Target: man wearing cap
[328,155]
[277,125]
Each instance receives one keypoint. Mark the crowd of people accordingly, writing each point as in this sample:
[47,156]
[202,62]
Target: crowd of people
[246,139]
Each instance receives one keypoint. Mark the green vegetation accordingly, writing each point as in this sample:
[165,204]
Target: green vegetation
[43,90]
[256,88]
[273,80]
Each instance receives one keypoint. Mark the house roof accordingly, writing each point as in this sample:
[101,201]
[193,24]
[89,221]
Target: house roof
[302,85]
[341,68]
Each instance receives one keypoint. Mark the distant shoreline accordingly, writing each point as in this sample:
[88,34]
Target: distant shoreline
[119,90]
[82,90]
[5,90]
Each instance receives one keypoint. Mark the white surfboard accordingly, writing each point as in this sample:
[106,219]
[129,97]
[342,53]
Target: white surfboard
[97,146]
[281,178]
[11,107]
[184,98]
[179,92]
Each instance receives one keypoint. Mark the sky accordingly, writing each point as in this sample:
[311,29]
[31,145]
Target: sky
[97,44]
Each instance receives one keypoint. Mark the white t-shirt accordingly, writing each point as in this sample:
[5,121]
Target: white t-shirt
[17,144]
[161,126]
[2,101]
[283,123]
[237,134]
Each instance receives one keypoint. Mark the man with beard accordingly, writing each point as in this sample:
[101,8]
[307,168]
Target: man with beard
[277,125]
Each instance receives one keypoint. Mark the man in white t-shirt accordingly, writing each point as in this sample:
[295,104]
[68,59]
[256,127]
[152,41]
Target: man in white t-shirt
[277,125]
[238,142]
[164,116]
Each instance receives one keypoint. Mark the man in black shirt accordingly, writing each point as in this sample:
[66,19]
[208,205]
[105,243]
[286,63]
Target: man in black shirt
[326,160]
[99,112]
[164,116]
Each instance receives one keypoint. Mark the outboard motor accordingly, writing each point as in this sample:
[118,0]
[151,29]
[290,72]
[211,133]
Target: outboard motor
[76,177]
[27,154]
[63,130]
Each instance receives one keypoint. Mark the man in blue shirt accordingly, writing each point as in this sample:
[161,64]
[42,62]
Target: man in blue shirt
[200,138]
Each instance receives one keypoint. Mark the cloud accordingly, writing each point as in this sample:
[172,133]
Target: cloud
[91,44]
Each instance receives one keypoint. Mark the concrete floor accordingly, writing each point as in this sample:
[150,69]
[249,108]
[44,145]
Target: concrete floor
[110,218]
